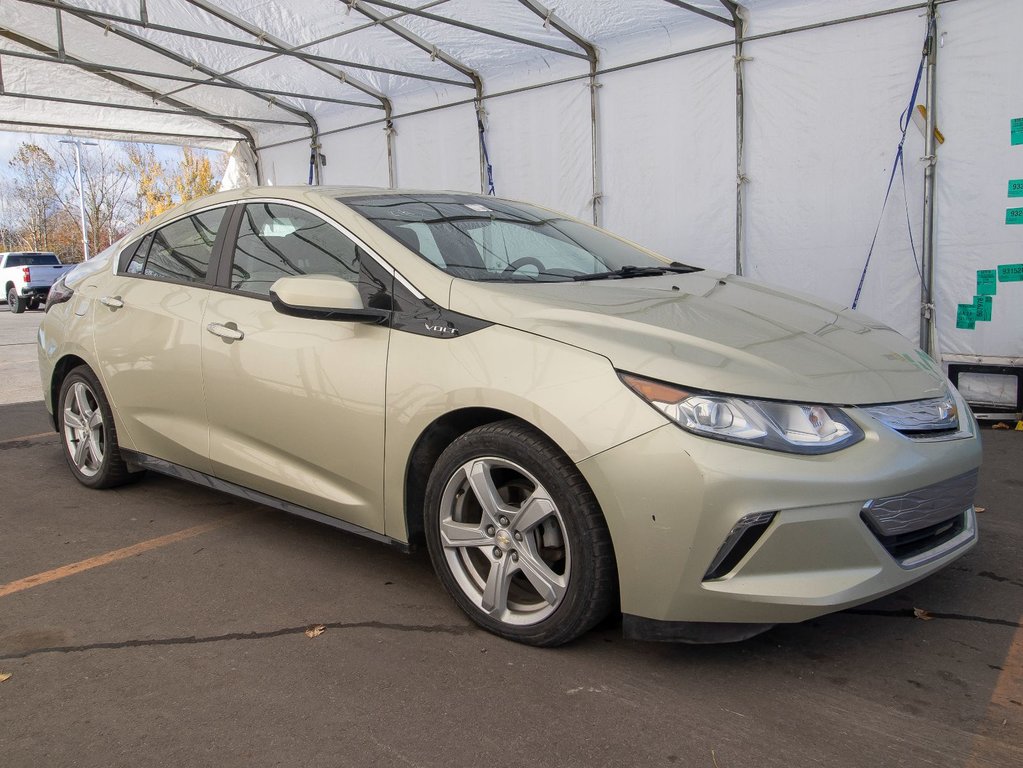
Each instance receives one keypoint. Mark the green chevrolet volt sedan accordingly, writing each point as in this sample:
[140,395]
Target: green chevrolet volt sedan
[573,425]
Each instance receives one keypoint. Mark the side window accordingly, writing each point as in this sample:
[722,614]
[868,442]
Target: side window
[182,250]
[277,240]
[137,261]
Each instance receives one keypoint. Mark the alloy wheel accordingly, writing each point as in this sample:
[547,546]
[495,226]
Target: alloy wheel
[84,430]
[504,541]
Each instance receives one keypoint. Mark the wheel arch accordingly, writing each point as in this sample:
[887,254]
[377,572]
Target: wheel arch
[61,369]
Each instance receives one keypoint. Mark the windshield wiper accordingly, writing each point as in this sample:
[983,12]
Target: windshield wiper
[630,270]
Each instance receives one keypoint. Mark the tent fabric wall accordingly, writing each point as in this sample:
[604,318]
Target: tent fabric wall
[978,94]
[824,91]
[668,154]
[823,113]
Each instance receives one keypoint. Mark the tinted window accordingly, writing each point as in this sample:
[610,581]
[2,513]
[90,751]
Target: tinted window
[181,251]
[138,260]
[276,241]
[32,260]
[484,238]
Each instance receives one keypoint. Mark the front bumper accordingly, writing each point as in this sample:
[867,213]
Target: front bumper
[671,499]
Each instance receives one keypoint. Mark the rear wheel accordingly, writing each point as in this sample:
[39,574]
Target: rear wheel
[516,536]
[33,304]
[15,302]
[89,436]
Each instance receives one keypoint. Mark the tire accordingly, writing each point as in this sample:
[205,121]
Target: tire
[33,304]
[86,425]
[15,302]
[517,537]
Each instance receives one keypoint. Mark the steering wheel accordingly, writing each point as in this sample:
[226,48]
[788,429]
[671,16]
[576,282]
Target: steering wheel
[525,261]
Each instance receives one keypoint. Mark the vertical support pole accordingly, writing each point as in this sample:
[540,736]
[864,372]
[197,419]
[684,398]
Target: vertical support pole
[738,15]
[930,170]
[314,160]
[481,127]
[81,197]
[389,133]
[598,182]
[60,35]
[143,13]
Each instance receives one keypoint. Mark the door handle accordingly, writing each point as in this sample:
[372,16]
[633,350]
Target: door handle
[226,332]
[114,302]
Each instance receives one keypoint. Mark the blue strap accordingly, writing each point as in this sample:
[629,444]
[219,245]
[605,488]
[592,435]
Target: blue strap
[904,120]
[486,158]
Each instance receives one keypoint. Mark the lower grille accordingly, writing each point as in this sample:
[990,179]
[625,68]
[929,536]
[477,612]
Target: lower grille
[924,524]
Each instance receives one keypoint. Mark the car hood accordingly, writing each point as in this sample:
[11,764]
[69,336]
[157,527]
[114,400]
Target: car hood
[717,332]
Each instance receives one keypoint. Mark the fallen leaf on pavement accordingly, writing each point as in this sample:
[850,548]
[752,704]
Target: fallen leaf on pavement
[980,509]
[5,676]
[920,613]
[315,630]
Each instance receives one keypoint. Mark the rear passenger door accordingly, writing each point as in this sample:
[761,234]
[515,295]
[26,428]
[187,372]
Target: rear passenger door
[148,333]
[296,405]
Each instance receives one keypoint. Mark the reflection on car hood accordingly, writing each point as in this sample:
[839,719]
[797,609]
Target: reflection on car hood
[717,332]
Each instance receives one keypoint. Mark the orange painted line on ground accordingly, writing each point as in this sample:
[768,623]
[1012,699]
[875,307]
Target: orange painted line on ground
[997,741]
[28,437]
[112,557]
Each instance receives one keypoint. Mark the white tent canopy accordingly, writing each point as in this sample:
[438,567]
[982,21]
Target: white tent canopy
[757,138]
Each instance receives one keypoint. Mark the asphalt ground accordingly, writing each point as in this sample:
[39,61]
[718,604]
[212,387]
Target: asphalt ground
[164,624]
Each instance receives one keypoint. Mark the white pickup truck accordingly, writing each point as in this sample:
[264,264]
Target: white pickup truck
[26,277]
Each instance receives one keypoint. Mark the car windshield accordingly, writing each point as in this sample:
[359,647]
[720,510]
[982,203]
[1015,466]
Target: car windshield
[487,239]
[32,260]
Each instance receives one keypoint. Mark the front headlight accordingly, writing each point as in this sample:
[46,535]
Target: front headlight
[778,426]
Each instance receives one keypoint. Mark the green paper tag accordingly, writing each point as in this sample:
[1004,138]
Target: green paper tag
[1016,188]
[987,282]
[1014,216]
[1016,130]
[982,308]
[966,317]
[1010,273]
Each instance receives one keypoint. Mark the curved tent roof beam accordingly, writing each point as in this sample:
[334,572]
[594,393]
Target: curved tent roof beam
[131,85]
[590,49]
[425,45]
[274,51]
[167,53]
[471,27]
[705,13]
[205,83]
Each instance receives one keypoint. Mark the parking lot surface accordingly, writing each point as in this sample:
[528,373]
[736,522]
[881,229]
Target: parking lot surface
[165,624]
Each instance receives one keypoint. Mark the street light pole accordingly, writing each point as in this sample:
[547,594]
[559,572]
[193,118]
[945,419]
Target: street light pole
[81,187]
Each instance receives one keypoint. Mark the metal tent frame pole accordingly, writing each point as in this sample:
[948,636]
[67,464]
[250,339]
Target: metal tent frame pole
[739,19]
[930,172]
[435,53]
[552,19]
[131,85]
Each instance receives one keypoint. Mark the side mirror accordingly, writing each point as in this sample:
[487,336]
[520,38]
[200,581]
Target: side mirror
[323,297]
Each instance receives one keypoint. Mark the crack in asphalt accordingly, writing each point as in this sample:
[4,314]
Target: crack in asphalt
[8,445]
[446,629]
[907,613]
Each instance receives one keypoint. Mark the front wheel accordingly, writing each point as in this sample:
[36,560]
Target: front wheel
[516,536]
[89,436]
[15,302]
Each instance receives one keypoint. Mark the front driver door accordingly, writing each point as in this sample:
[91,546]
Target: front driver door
[296,405]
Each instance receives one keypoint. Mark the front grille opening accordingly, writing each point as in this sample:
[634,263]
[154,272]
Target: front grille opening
[904,546]
[738,543]
[924,434]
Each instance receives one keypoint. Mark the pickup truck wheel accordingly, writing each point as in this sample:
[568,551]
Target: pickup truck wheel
[15,302]
[33,304]
[88,431]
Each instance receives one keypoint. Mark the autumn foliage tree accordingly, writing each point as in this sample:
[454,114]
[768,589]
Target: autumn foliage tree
[122,186]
